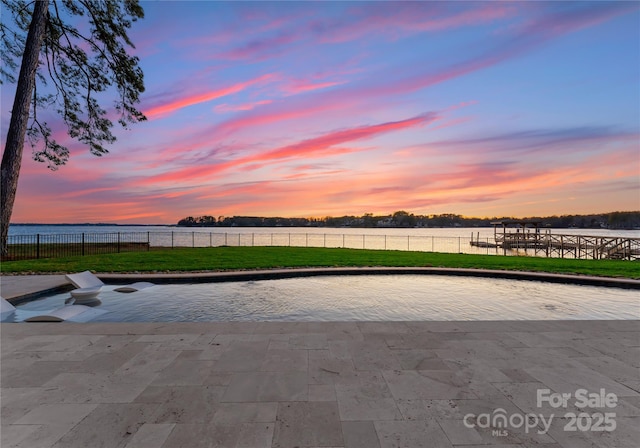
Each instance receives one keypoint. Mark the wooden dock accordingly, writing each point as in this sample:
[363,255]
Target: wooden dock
[528,237]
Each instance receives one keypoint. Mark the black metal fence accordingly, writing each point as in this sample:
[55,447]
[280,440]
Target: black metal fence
[25,247]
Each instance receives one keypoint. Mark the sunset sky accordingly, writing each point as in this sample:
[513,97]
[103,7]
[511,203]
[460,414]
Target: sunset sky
[318,109]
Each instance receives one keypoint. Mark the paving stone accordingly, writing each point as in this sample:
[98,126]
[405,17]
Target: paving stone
[44,436]
[612,367]
[525,396]
[150,435]
[285,361]
[478,370]
[110,360]
[56,414]
[625,435]
[458,433]
[487,350]
[242,356]
[73,343]
[368,399]
[170,341]
[232,413]
[15,436]
[426,384]
[307,424]
[360,435]
[411,434]
[267,386]
[420,341]
[309,342]
[628,407]
[190,435]
[255,435]
[372,356]
[419,409]
[218,379]
[278,345]
[568,380]
[94,388]
[31,343]
[212,352]
[419,359]
[184,373]
[434,374]
[611,347]
[368,409]
[34,374]
[109,425]
[322,392]
[337,331]
[149,361]
[182,404]
[331,371]
[281,327]
[18,401]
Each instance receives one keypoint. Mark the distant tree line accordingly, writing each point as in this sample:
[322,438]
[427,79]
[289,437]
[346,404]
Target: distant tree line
[614,220]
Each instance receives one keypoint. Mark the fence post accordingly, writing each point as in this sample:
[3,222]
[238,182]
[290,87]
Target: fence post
[38,246]
[148,241]
[193,239]
[82,243]
[253,239]
[459,246]
[172,239]
[118,242]
[408,242]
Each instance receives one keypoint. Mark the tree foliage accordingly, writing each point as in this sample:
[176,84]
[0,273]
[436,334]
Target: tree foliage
[76,66]
[70,53]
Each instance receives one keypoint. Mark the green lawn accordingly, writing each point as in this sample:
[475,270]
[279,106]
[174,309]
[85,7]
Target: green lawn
[235,258]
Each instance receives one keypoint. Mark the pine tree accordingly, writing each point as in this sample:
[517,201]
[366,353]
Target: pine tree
[64,69]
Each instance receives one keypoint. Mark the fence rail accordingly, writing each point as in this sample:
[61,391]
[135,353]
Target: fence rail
[23,247]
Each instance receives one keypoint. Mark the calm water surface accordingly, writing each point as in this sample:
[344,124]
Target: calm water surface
[464,232]
[362,298]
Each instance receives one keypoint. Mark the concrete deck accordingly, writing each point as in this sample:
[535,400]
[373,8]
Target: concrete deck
[307,384]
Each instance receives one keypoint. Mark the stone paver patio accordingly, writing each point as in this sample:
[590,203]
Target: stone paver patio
[309,384]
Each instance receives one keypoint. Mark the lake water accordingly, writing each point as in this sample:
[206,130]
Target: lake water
[360,298]
[453,232]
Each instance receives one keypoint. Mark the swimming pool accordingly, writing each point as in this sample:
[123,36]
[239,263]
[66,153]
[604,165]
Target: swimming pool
[359,298]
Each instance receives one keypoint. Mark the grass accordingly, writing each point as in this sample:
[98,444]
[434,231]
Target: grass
[238,258]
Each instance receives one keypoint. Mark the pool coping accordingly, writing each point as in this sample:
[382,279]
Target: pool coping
[271,274]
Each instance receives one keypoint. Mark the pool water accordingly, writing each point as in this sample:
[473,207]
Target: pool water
[360,298]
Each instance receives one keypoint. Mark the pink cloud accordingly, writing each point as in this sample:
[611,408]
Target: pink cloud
[402,19]
[301,86]
[323,145]
[223,108]
[164,108]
